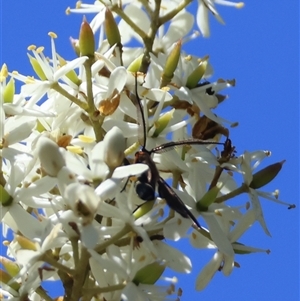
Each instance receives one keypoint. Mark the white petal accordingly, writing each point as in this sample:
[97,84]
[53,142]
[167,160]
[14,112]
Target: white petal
[89,236]
[228,264]
[208,271]
[176,228]
[174,259]
[68,67]
[202,19]
[129,170]
[50,156]
[180,26]
[36,188]
[20,133]
[109,265]
[217,234]
[243,224]
[200,241]
[258,210]
[108,189]
[132,292]
[25,223]
[117,81]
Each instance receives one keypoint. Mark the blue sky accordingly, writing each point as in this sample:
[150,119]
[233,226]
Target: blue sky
[259,47]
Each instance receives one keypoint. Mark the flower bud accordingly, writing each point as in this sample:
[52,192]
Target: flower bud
[75,45]
[162,122]
[82,200]
[114,147]
[9,91]
[50,156]
[111,29]
[71,75]
[7,279]
[3,73]
[10,266]
[208,199]
[266,175]
[40,127]
[25,243]
[171,64]
[149,274]
[136,64]
[143,209]
[5,197]
[86,40]
[37,67]
[197,74]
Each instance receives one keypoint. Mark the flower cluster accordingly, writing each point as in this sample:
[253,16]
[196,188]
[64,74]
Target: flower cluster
[89,208]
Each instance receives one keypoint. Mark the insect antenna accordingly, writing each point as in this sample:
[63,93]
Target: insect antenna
[140,118]
[173,144]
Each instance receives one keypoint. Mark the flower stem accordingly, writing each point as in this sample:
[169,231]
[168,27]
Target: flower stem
[94,116]
[113,239]
[243,188]
[169,16]
[55,86]
[47,258]
[127,19]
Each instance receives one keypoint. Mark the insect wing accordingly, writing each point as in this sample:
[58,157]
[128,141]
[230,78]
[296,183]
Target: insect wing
[173,200]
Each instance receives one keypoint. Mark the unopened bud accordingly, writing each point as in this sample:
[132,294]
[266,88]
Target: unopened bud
[5,198]
[162,122]
[149,274]
[37,67]
[75,45]
[114,147]
[208,199]
[136,64]
[266,175]
[25,243]
[9,91]
[10,266]
[86,40]
[143,209]
[82,200]
[50,156]
[7,279]
[197,74]
[171,64]
[111,29]
[71,75]
[3,73]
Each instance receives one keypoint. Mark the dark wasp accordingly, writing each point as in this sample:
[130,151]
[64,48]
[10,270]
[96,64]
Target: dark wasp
[147,181]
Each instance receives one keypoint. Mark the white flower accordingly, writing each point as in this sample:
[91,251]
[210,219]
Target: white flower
[224,257]
[206,6]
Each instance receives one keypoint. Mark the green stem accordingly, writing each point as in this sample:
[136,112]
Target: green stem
[55,86]
[47,258]
[79,277]
[169,16]
[127,19]
[95,118]
[113,239]
[89,86]
[243,188]
[149,39]
[74,243]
